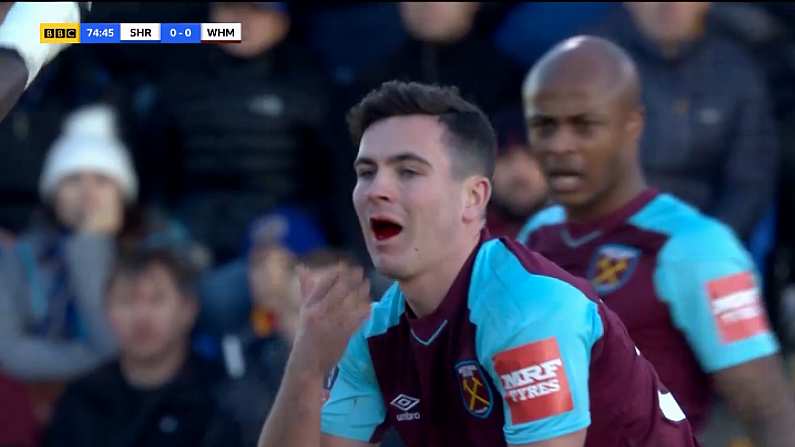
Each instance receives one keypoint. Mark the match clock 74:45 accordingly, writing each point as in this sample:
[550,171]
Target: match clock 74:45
[100,32]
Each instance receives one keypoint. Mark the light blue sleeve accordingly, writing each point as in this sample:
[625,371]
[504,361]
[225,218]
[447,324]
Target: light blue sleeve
[535,335]
[548,216]
[355,407]
[700,275]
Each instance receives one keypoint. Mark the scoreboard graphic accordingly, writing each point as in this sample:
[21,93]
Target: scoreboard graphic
[121,33]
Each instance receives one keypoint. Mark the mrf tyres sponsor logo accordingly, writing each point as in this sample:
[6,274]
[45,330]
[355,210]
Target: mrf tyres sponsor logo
[533,381]
[533,377]
[405,404]
[736,307]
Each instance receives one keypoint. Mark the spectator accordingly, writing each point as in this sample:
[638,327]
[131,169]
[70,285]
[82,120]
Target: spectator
[156,393]
[256,356]
[444,48]
[519,186]
[52,327]
[710,143]
[26,133]
[283,234]
[239,130]
[766,30]
[19,425]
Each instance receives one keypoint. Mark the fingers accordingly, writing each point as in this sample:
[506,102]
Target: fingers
[348,280]
[361,301]
[360,296]
[354,277]
[356,304]
[305,280]
[319,286]
[344,290]
[338,303]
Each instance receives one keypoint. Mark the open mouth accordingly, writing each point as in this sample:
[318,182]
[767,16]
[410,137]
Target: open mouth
[384,229]
[564,180]
[563,172]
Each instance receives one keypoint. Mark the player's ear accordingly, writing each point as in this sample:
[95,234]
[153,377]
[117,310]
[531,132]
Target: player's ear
[635,122]
[477,192]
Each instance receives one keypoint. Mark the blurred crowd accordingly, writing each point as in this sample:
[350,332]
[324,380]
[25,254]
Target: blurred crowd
[157,198]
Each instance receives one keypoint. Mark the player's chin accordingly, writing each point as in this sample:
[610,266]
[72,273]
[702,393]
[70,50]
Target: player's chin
[571,198]
[389,266]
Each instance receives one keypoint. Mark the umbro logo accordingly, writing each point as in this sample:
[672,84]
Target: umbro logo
[405,403]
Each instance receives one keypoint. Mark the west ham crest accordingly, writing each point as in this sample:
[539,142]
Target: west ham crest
[475,392]
[612,265]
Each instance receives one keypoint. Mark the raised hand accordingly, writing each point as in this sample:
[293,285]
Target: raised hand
[335,303]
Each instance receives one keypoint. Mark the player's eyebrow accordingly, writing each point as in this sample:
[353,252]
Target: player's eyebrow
[362,161]
[399,158]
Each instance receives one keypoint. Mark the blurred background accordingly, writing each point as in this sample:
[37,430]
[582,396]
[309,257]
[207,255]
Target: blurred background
[235,159]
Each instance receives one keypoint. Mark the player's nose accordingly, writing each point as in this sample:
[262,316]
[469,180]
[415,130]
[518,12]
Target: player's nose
[381,188]
[562,141]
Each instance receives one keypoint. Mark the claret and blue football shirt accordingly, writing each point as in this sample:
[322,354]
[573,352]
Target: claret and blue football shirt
[518,351]
[681,282]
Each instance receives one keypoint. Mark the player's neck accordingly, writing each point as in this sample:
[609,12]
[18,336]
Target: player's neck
[613,201]
[425,292]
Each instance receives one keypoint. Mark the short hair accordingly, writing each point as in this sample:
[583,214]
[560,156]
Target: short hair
[135,261]
[469,131]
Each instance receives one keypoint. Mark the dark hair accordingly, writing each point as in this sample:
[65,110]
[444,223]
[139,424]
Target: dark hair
[468,129]
[133,262]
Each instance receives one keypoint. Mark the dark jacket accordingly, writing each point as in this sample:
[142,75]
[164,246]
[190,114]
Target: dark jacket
[710,138]
[103,410]
[257,381]
[472,64]
[234,137]
[250,395]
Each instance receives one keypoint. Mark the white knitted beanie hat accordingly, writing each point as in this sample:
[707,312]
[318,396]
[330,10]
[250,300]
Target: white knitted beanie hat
[89,142]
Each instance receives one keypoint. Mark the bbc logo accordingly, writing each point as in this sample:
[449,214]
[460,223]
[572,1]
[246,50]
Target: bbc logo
[60,33]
